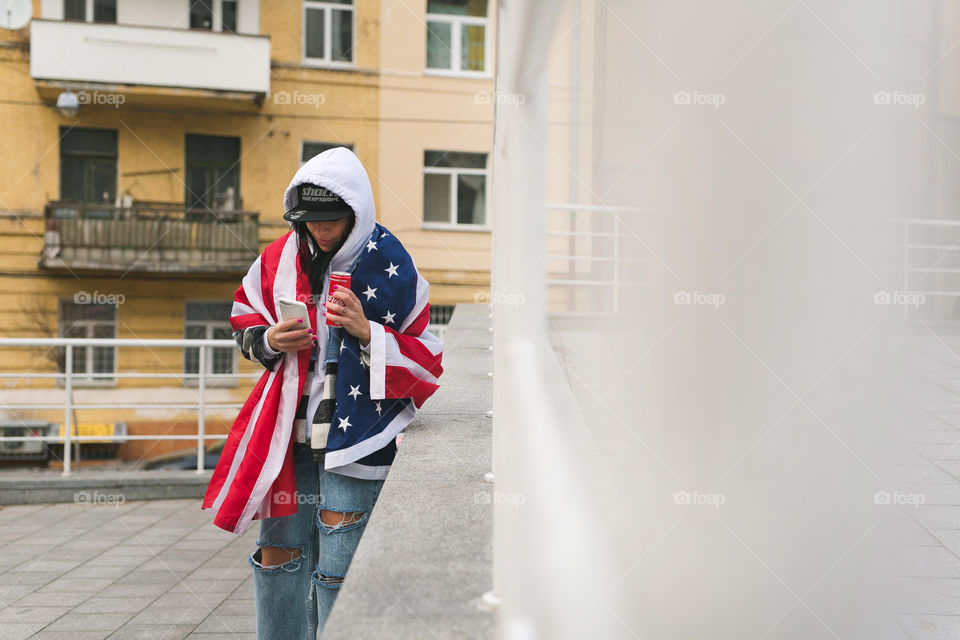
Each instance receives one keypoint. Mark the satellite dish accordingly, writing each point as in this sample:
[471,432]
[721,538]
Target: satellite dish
[15,14]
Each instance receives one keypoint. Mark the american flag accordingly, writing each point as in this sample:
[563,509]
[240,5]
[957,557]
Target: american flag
[254,477]
[404,356]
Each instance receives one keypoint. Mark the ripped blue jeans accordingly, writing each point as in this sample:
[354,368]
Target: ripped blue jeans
[294,599]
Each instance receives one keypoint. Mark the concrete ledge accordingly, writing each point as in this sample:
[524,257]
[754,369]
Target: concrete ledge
[102,486]
[426,556]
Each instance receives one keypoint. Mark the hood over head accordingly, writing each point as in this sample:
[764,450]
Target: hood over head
[340,171]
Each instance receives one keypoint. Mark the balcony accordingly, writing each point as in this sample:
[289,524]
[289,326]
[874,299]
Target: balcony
[148,237]
[149,64]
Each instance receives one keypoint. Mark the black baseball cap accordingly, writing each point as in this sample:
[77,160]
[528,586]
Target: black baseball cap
[316,204]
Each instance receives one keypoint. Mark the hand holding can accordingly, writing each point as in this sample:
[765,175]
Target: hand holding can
[340,279]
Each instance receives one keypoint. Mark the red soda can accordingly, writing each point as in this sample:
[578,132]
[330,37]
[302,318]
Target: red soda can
[340,279]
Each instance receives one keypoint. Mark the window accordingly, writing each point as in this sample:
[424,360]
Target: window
[454,188]
[457,36]
[88,168]
[310,149]
[228,16]
[81,318]
[201,14]
[328,31]
[75,10]
[213,174]
[208,321]
[98,10]
[214,15]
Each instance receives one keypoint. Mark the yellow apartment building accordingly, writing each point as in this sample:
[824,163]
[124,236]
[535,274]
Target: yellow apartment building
[147,147]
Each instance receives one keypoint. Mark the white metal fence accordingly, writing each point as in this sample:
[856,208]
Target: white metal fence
[68,377]
[930,268]
[602,259]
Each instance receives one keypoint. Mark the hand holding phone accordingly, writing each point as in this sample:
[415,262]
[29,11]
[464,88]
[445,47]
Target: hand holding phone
[293,332]
[292,310]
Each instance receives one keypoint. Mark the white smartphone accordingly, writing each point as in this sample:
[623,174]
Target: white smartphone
[293,309]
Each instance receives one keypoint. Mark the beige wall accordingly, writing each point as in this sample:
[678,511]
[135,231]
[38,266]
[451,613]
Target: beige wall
[948,66]
[420,111]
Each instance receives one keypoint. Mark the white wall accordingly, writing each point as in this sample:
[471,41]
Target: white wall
[148,56]
[154,13]
[248,17]
[742,436]
[51,9]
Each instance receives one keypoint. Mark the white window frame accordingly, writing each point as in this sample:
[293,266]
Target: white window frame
[327,8]
[218,17]
[213,379]
[456,45]
[453,172]
[82,379]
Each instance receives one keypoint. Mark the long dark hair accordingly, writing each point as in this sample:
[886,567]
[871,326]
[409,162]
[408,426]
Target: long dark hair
[315,264]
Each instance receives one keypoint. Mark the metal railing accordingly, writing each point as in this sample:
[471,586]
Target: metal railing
[69,377]
[611,234]
[931,262]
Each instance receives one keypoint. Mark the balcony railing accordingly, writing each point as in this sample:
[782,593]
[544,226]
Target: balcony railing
[148,237]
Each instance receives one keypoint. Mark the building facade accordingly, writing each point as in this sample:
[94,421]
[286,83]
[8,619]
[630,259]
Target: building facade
[148,144]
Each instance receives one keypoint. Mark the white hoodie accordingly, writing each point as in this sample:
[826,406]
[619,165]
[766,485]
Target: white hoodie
[340,171]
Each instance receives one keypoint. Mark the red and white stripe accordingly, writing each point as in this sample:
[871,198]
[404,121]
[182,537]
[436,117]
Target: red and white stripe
[254,477]
[406,363]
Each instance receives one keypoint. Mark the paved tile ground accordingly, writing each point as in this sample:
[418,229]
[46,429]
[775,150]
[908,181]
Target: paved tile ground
[145,569]
[931,468]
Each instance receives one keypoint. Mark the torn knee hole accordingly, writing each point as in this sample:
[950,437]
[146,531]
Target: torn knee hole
[328,581]
[339,519]
[272,556]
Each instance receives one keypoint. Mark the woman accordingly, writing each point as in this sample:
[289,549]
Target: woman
[309,450]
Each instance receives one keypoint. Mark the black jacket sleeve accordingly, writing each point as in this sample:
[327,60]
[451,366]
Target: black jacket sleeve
[250,341]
